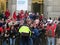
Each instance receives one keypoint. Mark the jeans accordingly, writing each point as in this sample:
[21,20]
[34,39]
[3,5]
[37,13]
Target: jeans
[51,40]
[26,41]
[30,41]
[12,41]
[4,42]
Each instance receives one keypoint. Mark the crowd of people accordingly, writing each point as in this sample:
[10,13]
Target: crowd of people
[28,28]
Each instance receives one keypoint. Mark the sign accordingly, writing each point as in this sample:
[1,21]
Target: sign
[22,5]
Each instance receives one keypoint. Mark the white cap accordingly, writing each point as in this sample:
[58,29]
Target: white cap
[49,21]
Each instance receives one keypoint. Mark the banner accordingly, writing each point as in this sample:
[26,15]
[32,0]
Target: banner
[22,5]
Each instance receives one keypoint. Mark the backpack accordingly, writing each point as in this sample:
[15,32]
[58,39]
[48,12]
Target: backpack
[49,33]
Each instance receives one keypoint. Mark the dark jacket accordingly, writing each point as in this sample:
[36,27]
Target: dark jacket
[12,33]
[58,29]
[36,33]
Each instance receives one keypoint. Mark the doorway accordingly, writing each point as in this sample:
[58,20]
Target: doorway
[37,7]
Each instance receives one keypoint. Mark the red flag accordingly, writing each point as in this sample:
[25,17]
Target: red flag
[14,16]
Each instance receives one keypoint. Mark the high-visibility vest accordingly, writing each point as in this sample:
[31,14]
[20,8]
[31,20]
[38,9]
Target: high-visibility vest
[25,29]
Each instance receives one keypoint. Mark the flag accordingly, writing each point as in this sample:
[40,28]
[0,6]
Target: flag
[14,16]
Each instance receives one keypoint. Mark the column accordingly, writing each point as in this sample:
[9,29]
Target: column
[29,5]
[12,5]
[0,5]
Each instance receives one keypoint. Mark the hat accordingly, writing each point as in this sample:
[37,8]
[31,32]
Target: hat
[49,21]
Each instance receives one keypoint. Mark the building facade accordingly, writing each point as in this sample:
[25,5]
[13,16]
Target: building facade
[2,5]
[52,8]
[31,5]
[12,5]
[37,6]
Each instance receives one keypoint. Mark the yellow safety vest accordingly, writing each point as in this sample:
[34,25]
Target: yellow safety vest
[25,29]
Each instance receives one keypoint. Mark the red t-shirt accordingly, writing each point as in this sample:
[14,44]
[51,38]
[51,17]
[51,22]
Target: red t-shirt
[7,14]
[41,17]
[22,16]
[1,29]
[53,27]
[26,15]
[7,29]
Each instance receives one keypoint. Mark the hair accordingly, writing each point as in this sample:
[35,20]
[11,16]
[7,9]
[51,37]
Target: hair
[50,18]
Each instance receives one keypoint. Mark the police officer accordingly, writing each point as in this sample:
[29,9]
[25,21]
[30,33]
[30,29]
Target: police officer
[25,34]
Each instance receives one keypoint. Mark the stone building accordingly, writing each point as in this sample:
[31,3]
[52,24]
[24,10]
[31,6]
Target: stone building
[50,8]
[3,5]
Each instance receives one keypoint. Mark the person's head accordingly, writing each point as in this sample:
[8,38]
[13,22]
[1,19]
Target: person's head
[35,25]
[50,18]
[31,25]
[28,21]
[21,22]
[2,20]
[2,11]
[21,11]
[7,10]
[33,13]
[37,13]
[50,23]
[37,21]
[30,13]
[26,11]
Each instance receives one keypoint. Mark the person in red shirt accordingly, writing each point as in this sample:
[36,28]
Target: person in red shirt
[26,14]
[22,16]
[41,17]
[1,30]
[7,13]
[51,27]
